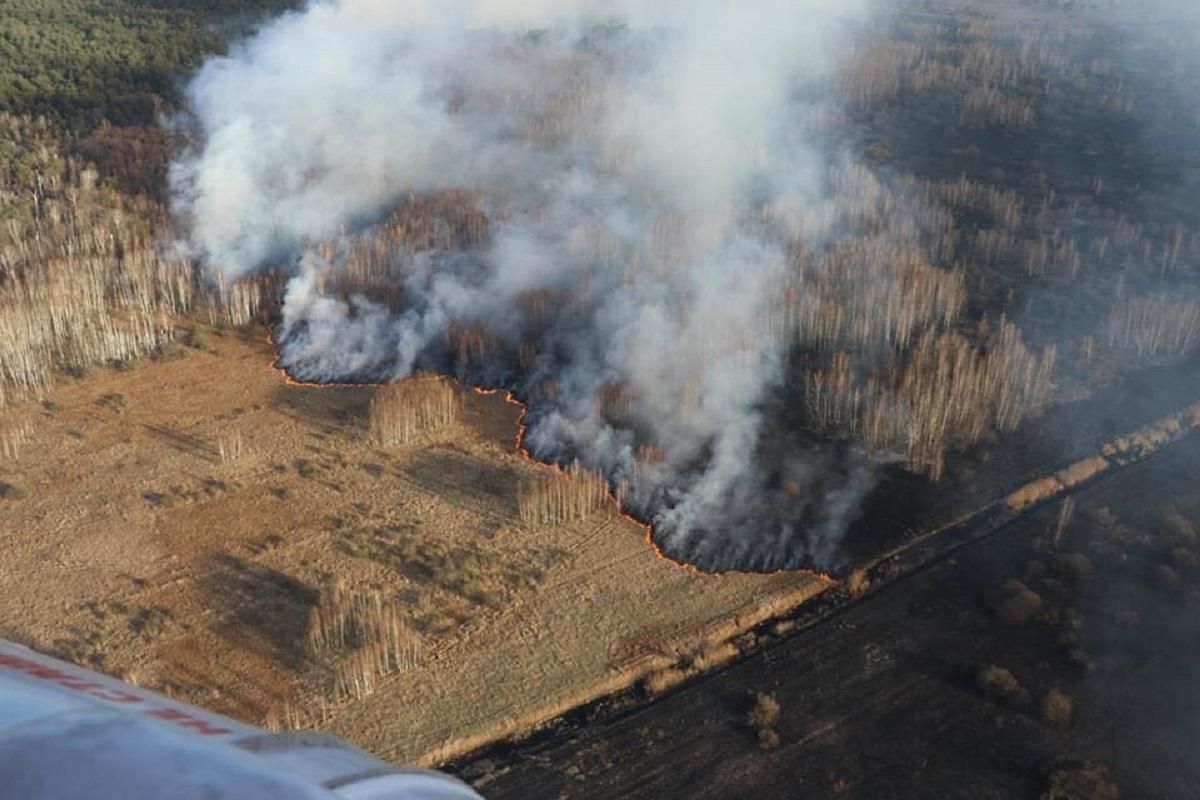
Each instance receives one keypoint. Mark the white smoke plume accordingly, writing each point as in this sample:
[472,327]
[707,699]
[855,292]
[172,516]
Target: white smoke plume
[646,169]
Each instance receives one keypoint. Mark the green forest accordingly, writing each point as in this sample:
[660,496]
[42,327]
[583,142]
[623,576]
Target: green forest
[91,79]
[83,61]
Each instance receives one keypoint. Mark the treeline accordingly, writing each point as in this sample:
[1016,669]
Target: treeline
[96,76]
[84,281]
[29,156]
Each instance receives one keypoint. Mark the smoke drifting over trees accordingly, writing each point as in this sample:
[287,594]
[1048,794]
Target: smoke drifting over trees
[634,218]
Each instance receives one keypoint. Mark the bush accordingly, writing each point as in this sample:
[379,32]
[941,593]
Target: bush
[1182,558]
[1102,517]
[768,739]
[1057,708]
[195,338]
[1080,781]
[998,683]
[858,583]
[664,679]
[1015,603]
[1075,567]
[1035,570]
[1178,529]
[113,401]
[713,655]
[1166,578]
[763,717]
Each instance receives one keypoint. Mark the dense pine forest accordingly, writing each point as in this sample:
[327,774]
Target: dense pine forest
[83,61]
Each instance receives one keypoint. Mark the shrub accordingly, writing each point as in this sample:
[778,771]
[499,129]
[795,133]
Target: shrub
[661,680]
[768,739]
[713,655]
[1183,558]
[1082,780]
[1015,603]
[998,683]
[1102,517]
[1179,529]
[858,583]
[113,401]
[195,338]
[763,717]
[1166,577]
[783,627]
[1075,567]
[1057,708]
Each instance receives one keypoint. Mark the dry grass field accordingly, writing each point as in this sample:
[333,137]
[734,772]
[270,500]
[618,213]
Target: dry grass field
[199,526]
[385,564]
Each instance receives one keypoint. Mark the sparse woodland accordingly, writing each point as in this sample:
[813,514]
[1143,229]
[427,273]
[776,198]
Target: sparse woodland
[85,278]
[565,495]
[958,296]
[1024,266]
[81,281]
[946,308]
[401,411]
[364,636]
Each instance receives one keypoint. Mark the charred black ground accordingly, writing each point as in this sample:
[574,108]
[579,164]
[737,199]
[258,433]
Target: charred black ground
[895,695]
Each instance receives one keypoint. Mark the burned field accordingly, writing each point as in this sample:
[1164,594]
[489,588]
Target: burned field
[1054,658]
[429,462]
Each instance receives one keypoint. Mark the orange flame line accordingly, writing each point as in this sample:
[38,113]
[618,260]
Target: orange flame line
[519,444]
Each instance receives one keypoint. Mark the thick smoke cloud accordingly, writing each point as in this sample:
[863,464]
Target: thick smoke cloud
[647,170]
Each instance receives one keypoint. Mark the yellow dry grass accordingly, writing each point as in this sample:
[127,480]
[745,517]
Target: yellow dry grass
[218,564]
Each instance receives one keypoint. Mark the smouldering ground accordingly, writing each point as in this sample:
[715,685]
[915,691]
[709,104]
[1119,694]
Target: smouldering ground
[133,545]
